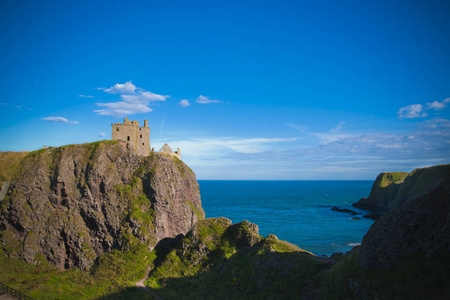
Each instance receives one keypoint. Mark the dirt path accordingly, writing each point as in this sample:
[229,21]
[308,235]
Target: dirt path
[141,286]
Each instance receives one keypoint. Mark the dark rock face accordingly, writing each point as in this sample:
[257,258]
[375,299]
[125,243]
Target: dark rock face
[421,225]
[74,203]
[392,189]
[374,216]
[345,210]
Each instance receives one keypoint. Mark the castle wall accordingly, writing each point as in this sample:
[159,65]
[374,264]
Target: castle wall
[137,137]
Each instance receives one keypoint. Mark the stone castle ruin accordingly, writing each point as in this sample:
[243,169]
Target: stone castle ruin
[138,138]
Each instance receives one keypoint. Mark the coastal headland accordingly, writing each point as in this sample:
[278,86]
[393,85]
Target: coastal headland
[88,221]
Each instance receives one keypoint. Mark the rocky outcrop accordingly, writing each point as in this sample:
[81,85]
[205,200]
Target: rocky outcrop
[220,260]
[421,225]
[74,203]
[392,189]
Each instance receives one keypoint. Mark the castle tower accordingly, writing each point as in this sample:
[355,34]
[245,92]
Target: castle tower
[130,132]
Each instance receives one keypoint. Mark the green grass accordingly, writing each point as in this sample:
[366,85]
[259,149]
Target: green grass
[223,261]
[114,275]
[392,177]
[415,276]
[9,161]
[196,211]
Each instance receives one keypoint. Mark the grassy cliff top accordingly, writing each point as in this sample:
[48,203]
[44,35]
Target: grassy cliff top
[387,178]
[8,163]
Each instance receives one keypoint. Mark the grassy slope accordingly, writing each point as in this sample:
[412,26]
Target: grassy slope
[114,274]
[415,276]
[218,262]
[8,163]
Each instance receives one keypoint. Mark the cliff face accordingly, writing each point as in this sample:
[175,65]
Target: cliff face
[74,203]
[392,189]
[404,255]
[421,225]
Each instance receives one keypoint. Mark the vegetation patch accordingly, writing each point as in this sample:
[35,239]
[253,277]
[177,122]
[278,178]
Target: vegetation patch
[113,277]
[9,161]
[415,276]
[209,263]
[196,211]
[392,177]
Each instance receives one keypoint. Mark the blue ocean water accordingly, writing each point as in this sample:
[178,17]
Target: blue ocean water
[296,211]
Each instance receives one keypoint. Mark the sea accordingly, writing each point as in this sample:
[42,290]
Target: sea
[295,211]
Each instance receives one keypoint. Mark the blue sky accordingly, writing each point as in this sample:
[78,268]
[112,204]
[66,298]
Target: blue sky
[246,89]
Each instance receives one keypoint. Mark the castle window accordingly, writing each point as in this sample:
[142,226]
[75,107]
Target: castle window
[128,138]
[143,144]
[141,136]
[117,128]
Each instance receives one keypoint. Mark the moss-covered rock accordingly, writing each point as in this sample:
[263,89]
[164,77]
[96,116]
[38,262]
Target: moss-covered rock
[405,254]
[391,189]
[81,201]
[221,260]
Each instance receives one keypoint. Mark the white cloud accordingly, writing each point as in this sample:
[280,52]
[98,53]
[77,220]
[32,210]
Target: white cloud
[214,146]
[134,100]
[143,97]
[184,103]
[438,105]
[85,96]
[412,111]
[120,109]
[205,100]
[101,134]
[59,119]
[127,88]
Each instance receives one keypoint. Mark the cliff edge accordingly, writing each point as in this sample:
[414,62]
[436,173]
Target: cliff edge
[73,203]
[392,189]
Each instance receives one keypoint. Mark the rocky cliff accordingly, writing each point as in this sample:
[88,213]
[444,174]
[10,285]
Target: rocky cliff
[421,225]
[73,203]
[392,189]
[404,255]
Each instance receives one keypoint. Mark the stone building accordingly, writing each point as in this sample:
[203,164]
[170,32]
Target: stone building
[166,149]
[136,137]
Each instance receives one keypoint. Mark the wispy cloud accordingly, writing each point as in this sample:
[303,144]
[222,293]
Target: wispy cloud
[338,127]
[184,103]
[205,100]
[412,111]
[101,134]
[85,96]
[438,105]
[59,119]
[3,103]
[326,137]
[297,127]
[214,146]
[134,100]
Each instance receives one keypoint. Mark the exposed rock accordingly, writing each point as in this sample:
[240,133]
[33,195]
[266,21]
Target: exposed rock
[76,202]
[392,189]
[421,225]
[4,190]
[220,260]
[355,218]
[345,210]
[374,216]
